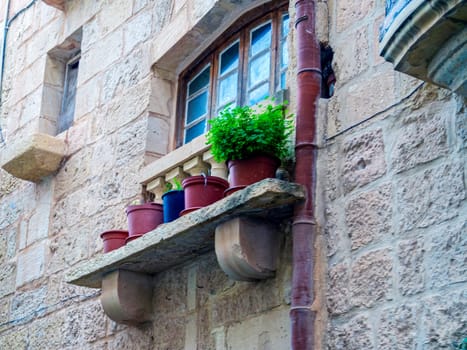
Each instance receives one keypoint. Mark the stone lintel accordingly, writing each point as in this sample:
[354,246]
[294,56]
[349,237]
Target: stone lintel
[58,4]
[34,157]
[127,296]
[247,249]
[191,235]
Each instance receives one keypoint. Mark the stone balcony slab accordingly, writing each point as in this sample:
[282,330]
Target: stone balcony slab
[34,157]
[191,235]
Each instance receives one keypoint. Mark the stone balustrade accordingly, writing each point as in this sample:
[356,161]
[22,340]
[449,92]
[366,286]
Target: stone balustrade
[189,160]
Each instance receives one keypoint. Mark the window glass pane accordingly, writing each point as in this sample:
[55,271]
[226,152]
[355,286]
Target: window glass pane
[284,55]
[260,39]
[258,94]
[201,81]
[283,80]
[67,112]
[229,59]
[285,25]
[197,107]
[228,89]
[259,69]
[195,131]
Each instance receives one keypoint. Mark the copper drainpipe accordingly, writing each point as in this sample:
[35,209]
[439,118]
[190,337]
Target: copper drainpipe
[304,224]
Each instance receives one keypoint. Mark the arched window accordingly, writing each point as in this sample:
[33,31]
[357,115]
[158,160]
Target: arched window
[248,64]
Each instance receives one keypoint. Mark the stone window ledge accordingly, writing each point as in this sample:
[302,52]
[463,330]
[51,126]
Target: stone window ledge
[33,158]
[191,235]
[428,40]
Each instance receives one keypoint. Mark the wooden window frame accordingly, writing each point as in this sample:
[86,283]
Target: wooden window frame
[240,31]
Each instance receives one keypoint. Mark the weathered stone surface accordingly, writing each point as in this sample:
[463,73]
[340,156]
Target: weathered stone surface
[370,280]
[125,74]
[411,268]
[339,289]
[113,14]
[269,330]
[421,138]
[363,159]
[398,328]
[34,157]
[189,235]
[357,48]
[461,122]
[447,258]
[368,97]
[368,216]
[28,305]
[67,248]
[243,300]
[336,238]
[354,334]
[46,333]
[15,339]
[170,293]
[84,324]
[164,330]
[31,263]
[137,30]
[350,12]
[7,278]
[8,183]
[141,338]
[444,320]
[10,213]
[439,192]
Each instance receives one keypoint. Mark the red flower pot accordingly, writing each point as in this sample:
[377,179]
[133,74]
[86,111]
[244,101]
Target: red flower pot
[201,191]
[244,172]
[113,239]
[143,218]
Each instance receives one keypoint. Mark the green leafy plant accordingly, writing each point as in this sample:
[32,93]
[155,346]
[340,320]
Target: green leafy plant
[460,346]
[174,185]
[239,132]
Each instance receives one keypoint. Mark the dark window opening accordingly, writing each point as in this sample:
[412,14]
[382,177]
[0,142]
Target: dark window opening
[67,110]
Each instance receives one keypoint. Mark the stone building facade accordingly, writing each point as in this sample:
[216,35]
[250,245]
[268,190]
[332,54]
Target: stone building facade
[391,268]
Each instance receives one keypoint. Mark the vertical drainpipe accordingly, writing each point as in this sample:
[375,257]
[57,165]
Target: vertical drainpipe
[2,59]
[304,227]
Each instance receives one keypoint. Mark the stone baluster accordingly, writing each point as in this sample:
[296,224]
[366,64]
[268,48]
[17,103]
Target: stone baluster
[196,166]
[157,187]
[217,169]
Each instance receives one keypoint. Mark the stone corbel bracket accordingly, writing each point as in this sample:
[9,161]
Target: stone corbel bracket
[428,40]
[127,296]
[58,4]
[34,157]
[247,248]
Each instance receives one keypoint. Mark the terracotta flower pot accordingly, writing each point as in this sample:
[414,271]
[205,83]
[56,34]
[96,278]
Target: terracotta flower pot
[201,191]
[244,172]
[143,218]
[131,238]
[113,239]
[174,203]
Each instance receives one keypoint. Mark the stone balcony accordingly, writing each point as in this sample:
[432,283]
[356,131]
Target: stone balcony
[428,40]
[191,159]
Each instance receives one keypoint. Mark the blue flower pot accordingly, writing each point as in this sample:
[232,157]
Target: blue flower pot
[174,203]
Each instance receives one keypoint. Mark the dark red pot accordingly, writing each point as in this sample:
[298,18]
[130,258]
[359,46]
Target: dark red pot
[244,172]
[132,238]
[113,239]
[201,191]
[143,218]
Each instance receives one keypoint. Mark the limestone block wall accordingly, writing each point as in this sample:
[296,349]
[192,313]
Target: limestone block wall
[391,207]
[395,207]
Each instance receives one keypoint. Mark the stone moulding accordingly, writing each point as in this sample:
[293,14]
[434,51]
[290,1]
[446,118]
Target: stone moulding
[427,39]
[34,157]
